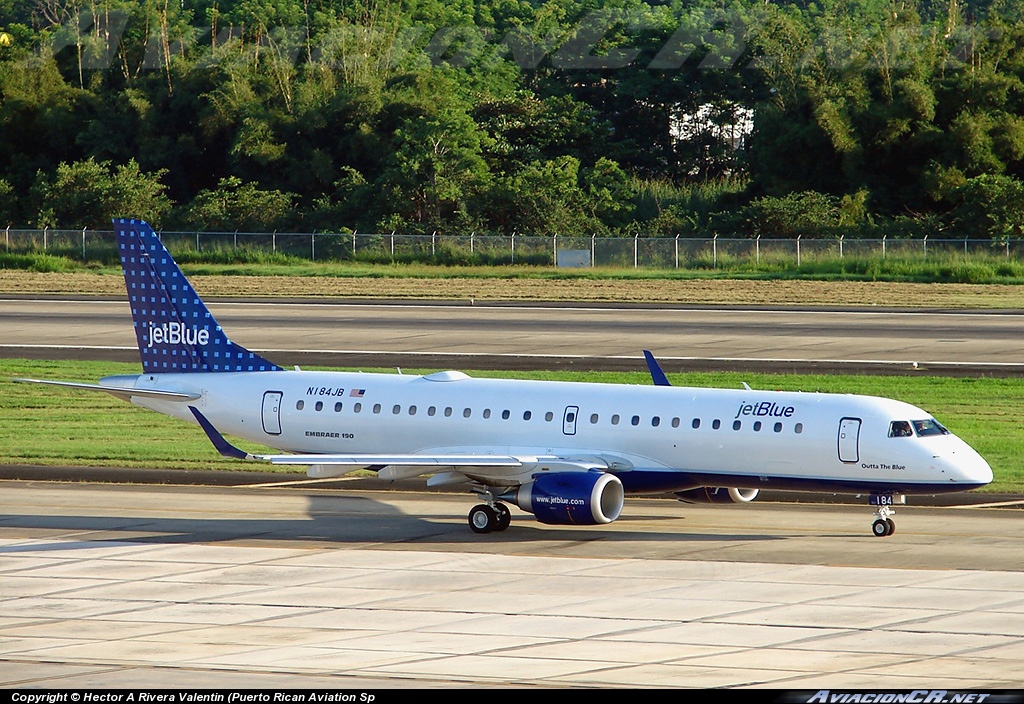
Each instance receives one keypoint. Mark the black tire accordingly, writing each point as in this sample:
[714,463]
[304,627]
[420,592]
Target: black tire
[880,528]
[504,517]
[892,526]
[483,519]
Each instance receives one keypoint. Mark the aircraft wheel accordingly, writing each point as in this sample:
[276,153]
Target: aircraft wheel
[881,528]
[892,526]
[483,519]
[504,517]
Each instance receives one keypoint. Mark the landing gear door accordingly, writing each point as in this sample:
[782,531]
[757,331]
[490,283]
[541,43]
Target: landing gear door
[272,412]
[849,440]
[569,420]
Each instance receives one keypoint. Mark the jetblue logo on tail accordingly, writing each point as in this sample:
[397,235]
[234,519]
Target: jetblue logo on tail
[174,329]
[178,334]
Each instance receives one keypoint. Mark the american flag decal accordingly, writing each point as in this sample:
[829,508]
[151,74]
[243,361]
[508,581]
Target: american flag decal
[357,393]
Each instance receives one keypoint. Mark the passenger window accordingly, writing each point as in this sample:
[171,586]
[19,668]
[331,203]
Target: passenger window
[527,415]
[319,406]
[736,425]
[716,424]
[431,410]
[448,412]
[675,422]
[397,409]
[412,410]
[549,416]
[593,418]
[655,421]
[615,419]
[635,420]
[487,413]
[358,407]
[778,427]
[300,404]
[757,426]
[695,423]
[798,428]
[505,415]
[337,407]
[466,413]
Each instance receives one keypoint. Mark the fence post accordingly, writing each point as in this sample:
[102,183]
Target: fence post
[513,246]
[554,249]
[714,251]
[83,243]
[312,246]
[883,245]
[841,245]
[433,244]
[798,249]
[46,232]
[197,243]
[757,249]
[8,238]
[353,244]
[965,244]
[925,246]
[392,245]
[677,250]
[593,250]
[472,243]
[234,243]
[1007,246]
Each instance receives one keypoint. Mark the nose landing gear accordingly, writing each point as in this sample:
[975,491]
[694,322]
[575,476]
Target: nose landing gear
[884,525]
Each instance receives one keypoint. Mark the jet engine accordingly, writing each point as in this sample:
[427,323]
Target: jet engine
[572,498]
[717,495]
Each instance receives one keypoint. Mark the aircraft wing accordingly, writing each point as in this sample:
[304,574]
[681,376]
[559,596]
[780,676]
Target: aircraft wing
[119,391]
[498,470]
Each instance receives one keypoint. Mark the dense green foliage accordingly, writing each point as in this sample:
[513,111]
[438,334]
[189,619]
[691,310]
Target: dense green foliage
[902,117]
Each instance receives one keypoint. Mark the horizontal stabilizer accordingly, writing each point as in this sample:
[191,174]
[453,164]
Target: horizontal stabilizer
[121,392]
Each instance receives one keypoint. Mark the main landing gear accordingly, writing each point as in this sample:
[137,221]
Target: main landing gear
[884,525]
[485,518]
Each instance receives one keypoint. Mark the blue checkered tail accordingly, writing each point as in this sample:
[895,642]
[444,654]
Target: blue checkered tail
[175,331]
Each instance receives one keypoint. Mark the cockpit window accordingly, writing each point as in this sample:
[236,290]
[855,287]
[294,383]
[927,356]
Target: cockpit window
[900,429]
[929,426]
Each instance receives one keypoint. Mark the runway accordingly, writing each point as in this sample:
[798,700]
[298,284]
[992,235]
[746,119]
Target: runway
[343,585]
[300,586]
[550,337]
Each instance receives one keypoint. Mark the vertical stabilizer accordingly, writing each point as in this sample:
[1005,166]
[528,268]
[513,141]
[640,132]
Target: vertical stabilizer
[175,331]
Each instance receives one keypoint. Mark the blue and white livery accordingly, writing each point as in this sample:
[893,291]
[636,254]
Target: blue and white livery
[566,452]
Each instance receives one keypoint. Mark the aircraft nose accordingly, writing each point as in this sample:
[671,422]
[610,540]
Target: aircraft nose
[972,467]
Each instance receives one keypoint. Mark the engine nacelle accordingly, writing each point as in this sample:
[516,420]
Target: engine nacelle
[572,498]
[717,495]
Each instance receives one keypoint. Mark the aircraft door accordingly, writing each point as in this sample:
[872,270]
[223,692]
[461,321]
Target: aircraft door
[569,420]
[849,440]
[272,412]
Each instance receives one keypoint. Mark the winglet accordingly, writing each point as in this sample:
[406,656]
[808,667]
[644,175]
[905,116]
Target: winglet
[657,375]
[223,446]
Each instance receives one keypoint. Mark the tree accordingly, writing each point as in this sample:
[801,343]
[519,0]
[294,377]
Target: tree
[89,194]
[235,205]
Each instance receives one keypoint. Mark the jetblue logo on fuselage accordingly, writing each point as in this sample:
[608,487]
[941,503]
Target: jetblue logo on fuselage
[177,334]
[765,409]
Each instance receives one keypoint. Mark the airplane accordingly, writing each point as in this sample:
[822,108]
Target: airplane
[567,452]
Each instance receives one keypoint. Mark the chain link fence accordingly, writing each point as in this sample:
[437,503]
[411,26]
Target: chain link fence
[618,252]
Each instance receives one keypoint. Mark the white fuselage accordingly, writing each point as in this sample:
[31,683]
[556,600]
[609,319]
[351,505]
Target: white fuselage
[668,438]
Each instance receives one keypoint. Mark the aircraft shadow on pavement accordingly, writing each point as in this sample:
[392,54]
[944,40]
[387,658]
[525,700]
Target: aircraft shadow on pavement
[351,520]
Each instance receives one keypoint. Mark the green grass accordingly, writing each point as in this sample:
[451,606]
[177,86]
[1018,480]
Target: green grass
[53,426]
[937,267]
